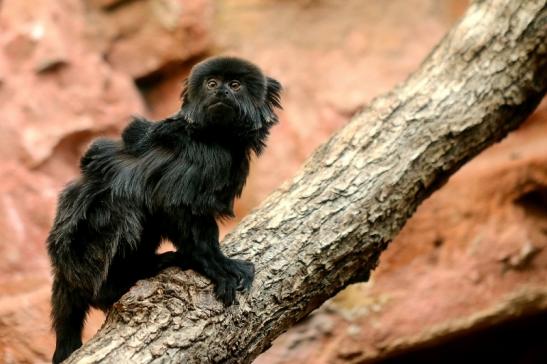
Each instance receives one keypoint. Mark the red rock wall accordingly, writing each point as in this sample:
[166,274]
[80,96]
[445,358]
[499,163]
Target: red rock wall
[71,70]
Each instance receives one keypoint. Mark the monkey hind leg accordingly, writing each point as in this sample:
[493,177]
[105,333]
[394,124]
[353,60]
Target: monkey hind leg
[69,308]
[124,274]
[169,259]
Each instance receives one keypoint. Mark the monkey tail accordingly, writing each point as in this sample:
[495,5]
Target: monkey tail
[69,309]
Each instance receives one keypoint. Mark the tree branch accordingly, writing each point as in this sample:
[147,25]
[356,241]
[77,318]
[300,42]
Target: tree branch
[327,228]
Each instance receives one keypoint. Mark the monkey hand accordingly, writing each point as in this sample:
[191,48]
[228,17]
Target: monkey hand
[239,275]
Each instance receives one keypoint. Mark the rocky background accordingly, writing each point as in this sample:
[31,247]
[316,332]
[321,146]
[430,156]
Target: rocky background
[467,275]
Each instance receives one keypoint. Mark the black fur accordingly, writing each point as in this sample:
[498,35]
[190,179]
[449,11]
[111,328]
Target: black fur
[164,180]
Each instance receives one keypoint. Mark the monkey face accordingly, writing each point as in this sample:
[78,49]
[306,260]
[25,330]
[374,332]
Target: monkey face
[222,98]
[229,95]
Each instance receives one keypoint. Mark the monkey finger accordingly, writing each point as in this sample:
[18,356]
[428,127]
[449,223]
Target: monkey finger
[225,292]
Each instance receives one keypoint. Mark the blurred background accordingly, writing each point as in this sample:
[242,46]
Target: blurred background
[465,279]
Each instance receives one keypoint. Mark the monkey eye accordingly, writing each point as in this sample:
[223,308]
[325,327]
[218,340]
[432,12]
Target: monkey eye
[235,85]
[212,83]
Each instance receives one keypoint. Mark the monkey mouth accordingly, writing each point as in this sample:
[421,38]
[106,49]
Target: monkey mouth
[221,109]
[219,104]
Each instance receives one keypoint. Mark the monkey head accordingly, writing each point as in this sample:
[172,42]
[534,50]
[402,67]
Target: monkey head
[229,95]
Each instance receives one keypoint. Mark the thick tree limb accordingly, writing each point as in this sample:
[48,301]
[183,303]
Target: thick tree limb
[327,228]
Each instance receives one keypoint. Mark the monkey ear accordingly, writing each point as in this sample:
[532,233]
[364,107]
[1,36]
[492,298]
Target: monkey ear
[272,101]
[184,92]
[185,107]
[273,91]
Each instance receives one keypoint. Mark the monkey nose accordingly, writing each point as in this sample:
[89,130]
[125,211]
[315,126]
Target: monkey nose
[223,92]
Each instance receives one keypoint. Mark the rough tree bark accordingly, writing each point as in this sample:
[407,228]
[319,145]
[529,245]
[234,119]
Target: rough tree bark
[327,228]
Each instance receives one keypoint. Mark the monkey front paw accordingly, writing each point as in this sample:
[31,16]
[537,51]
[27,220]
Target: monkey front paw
[245,272]
[239,277]
[225,291]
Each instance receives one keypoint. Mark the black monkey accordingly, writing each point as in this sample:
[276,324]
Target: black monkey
[169,179]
